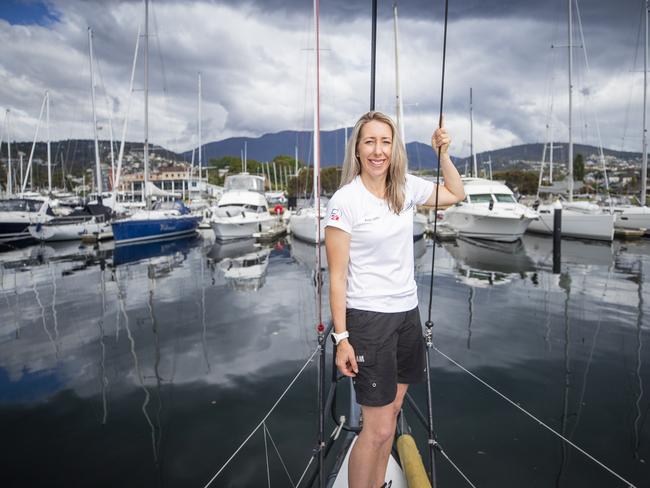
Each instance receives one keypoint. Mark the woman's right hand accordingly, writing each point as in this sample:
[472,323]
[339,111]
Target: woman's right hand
[345,359]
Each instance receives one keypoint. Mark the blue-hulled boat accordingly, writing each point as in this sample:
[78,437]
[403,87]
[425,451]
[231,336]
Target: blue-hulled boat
[166,219]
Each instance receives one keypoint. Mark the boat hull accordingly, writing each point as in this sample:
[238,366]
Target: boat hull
[132,230]
[632,218]
[240,227]
[303,226]
[486,226]
[598,227]
[67,232]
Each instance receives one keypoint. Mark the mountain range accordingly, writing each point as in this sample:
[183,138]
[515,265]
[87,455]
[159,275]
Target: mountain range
[78,154]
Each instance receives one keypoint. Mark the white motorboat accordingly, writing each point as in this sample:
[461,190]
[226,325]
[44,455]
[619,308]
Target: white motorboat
[243,209]
[489,211]
[576,222]
[302,224]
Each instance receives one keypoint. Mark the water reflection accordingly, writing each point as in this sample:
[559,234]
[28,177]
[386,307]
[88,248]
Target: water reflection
[243,263]
[132,253]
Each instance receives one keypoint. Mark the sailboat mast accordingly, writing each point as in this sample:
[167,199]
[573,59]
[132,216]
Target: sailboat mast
[373,55]
[10,183]
[398,89]
[146,102]
[644,163]
[92,98]
[316,182]
[471,135]
[49,145]
[570,162]
[200,141]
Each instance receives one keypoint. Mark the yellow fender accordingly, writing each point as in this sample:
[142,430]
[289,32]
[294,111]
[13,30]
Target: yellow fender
[416,475]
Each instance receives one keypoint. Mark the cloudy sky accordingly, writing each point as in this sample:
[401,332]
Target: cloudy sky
[256,58]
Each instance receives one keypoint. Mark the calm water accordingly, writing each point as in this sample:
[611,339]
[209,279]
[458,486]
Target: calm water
[148,365]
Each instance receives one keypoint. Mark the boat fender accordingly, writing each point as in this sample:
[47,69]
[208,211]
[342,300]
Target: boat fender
[416,475]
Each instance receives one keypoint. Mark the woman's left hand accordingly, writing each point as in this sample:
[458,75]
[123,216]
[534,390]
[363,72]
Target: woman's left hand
[441,140]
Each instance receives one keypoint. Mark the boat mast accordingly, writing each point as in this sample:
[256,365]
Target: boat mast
[471,135]
[570,165]
[98,170]
[146,103]
[200,142]
[31,153]
[120,156]
[10,182]
[373,55]
[49,148]
[644,163]
[398,90]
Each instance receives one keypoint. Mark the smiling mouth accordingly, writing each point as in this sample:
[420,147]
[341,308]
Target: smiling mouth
[376,162]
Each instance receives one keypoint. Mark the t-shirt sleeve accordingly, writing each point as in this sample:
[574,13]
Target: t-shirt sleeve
[338,213]
[420,188]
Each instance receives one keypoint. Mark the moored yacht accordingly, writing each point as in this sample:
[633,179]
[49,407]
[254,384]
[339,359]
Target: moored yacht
[17,214]
[93,218]
[577,221]
[489,211]
[303,223]
[166,219]
[243,209]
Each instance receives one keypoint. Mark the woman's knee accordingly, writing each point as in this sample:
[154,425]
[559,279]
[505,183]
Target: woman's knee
[380,434]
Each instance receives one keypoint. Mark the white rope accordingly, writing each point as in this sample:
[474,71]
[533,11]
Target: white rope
[457,468]
[266,455]
[630,485]
[264,419]
[279,456]
[311,460]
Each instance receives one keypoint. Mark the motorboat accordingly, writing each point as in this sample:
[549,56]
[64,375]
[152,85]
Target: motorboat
[17,214]
[489,211]
[243,209]
[166,219]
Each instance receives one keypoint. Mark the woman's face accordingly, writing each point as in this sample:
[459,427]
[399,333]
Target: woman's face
[374,148]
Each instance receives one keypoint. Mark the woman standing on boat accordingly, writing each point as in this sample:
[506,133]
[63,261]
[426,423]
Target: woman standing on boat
[373,295]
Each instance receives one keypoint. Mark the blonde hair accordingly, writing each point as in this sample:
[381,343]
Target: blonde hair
[396,177]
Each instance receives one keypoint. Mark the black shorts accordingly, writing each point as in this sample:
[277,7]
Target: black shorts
[390,349]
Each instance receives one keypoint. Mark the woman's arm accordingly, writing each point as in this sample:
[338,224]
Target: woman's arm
[452,191]
[337,243]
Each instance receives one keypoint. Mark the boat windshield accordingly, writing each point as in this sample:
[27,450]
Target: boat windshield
[480,198]
[505,198]
[23,205]
[244,182]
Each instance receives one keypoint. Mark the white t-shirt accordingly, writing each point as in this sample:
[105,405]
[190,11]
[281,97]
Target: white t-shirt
[380,270]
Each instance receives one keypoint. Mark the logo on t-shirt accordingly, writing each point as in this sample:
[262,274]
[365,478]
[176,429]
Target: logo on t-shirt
[335,214]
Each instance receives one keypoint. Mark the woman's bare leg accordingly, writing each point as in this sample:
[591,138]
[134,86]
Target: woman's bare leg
[369,456]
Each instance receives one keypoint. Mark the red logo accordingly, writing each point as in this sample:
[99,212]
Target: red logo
[335,214]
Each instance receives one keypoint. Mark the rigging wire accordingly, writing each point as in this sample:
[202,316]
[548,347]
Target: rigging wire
[634,61]
[433,445]
[540,422]
[266,416]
